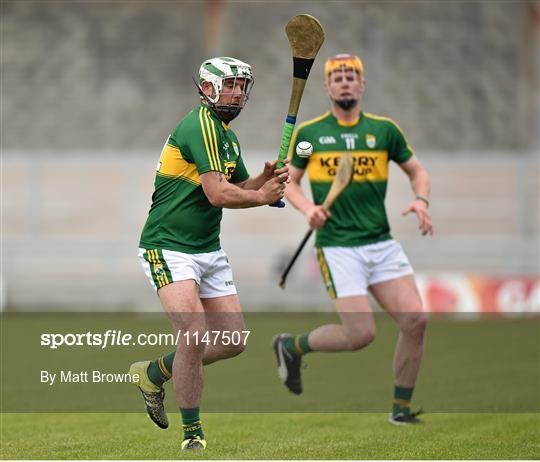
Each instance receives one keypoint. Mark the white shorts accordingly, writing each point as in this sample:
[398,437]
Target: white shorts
[211,270]
[349,271]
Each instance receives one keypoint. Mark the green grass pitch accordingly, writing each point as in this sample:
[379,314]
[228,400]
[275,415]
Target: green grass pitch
[479,385]
[273,436]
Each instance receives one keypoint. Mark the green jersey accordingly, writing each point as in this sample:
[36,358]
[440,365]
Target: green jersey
[359,215]
[181,218]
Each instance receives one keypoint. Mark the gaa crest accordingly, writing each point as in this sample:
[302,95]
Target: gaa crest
[371,141]
[230,167]
[158,269]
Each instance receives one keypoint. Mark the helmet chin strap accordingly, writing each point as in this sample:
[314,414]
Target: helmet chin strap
[227,113]
[224,112]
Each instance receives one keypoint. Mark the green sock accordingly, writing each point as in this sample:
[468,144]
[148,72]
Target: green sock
[191,422]
[402,400]
[298,344]
[160,370]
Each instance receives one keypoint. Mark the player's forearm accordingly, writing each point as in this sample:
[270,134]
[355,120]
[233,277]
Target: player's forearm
[231,196]
[221,193]
[254,183]
[295,196]
[421,183]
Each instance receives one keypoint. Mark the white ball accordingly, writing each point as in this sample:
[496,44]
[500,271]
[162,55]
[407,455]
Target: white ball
[304,149]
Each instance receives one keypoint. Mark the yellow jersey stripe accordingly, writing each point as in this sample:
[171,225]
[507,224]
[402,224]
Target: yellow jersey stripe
[173,165]
[348,124]
[209,129]
[388,119]
[189,180]
[213,140]
[312,121]
[210,132]
[179,177]
[218,157]
[208,152]
[376,117]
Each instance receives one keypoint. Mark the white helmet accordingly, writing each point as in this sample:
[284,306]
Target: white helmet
[216,70]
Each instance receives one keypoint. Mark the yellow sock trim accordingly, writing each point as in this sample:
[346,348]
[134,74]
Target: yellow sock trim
[402,402]
[163,368]
[297,346]
[192,427]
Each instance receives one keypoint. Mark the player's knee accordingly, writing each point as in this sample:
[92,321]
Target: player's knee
[361,339]
[234,350]
[414,325]
[420,324]
[191,347]
[190,338]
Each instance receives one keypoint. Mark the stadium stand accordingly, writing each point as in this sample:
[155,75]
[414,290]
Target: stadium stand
[103,75]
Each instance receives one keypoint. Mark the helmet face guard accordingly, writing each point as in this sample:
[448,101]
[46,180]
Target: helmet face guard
[217,71]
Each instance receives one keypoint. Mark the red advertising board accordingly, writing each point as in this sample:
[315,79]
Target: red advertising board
[458,292]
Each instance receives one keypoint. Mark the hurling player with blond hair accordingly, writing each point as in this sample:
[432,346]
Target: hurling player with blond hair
[355,249]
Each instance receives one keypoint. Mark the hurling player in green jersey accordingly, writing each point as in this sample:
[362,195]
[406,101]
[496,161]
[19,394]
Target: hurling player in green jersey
[200,171]
[355,249]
